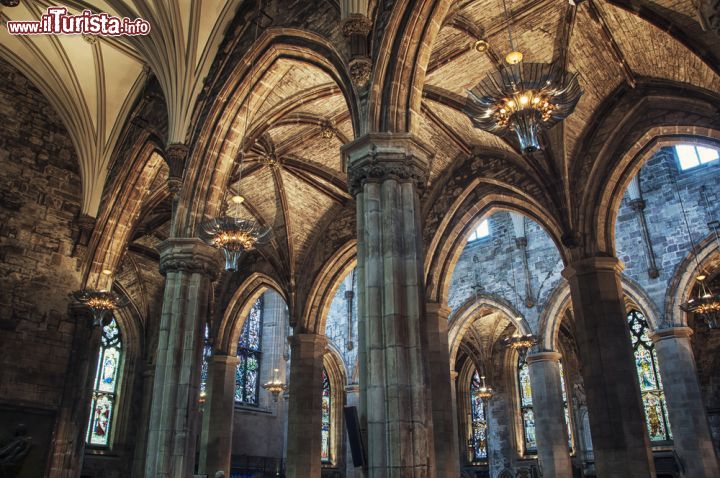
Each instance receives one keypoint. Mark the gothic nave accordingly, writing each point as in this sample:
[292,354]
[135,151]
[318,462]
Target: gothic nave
[360,238]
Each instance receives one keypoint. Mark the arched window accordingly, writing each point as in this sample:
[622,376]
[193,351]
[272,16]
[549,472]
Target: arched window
[651,388]
[104,395]
[207,352]
[566,408]
[478,422]
[249,351]
[526,405]
[326,419]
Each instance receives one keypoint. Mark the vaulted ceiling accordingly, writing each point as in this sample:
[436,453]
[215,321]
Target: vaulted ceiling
[93,81]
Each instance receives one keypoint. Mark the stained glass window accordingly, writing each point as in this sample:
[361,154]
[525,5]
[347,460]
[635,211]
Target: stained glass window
[651,388]
[526,405]
[104,394]
[479,423]
[248,351]
[326,419]
[568,422]
[207,352]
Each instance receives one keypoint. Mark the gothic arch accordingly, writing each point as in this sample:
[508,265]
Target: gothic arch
[559,302]
[629,128]
[481,199]
[217,142]
[401,57]
[326,285]
[681,285]
[337,376]
[117,219]
[230,326]
[465,315]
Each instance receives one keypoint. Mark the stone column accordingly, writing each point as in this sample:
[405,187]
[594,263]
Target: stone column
[384,172]
[444,418]
[617,417]
[352,398]
[189,266]
[217,428]
[68,445]
[305,407]
[550,427]
[688,419]
[460,440]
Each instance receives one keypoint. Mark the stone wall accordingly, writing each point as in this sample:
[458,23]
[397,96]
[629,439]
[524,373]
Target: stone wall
[40,196]
[494,266]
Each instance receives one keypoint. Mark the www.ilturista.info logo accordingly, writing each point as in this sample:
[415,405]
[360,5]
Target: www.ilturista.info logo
[56,21]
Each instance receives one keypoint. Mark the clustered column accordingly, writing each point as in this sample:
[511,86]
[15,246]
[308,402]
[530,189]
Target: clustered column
[691,434]
[304,444]
[445,428]
[217,431]
[620,439]
[550,426]
[189,266]
[384,172]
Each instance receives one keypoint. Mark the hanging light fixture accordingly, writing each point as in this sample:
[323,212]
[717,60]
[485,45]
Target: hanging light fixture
[522,97]
[234,234]
[519,342]
[275,386]
[485,392]
[706,304]
[230,231]
[101,302]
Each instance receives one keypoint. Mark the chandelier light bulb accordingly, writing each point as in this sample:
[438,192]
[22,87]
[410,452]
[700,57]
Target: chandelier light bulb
[514,57]
[237,199]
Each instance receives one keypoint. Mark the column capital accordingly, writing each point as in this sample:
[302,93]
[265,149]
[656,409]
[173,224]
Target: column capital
[376,157]
[308,339]
[225,359]
[175,156]
[591,265]
[356,24]
[670,333]
[188,255]
[543,357]
[442,310]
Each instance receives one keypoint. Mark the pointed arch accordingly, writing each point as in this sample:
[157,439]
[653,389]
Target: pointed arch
[231,324]
[217,142]
[334,399]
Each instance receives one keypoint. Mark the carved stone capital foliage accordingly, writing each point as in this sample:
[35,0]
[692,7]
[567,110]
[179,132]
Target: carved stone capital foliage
[360,71]
[175,156]
[709,11]
[377,157]
[189,255]
[356,24]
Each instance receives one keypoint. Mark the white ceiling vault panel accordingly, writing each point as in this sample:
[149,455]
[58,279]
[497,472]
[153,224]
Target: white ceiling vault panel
[93,82]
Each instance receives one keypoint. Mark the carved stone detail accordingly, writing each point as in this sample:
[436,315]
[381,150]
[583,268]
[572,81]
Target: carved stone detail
[356,24]
[360,71]
[189,255]
[175,156]
[379,157]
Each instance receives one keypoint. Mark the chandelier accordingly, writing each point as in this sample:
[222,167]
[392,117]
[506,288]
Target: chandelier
[519,342]
[485,392]
[101,302]
[522,97]
[233,234]
[706,305]
[275,386]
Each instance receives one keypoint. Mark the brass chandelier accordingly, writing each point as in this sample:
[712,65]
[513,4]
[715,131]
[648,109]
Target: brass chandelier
[485,392]
[101,302]
[234,234]
[519,341]
[522,97]
[275,386]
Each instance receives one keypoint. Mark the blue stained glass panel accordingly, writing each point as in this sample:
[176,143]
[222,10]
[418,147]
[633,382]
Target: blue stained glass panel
[648,372]
[326,419]
[104,396]
[479,425]
[249,348]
